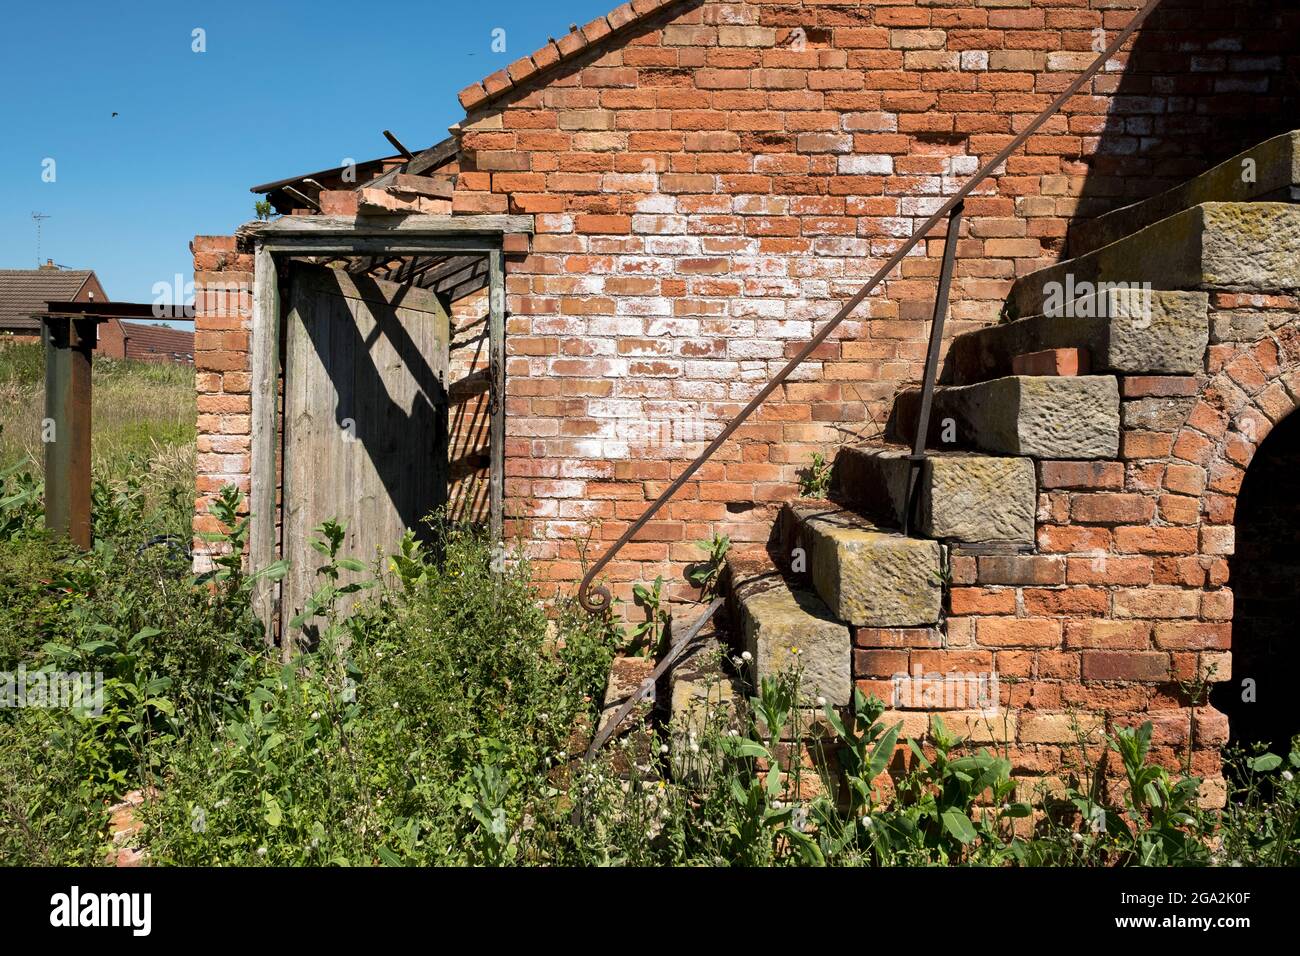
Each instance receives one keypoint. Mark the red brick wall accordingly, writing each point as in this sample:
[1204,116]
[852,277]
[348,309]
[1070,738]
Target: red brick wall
[705,194]
[223,321]
[711,189]
[1126,603]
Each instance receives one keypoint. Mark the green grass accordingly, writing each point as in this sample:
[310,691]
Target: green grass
[140,410]
[442,723]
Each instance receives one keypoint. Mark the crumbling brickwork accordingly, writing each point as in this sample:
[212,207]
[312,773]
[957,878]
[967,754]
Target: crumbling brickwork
[223,303]
[713,182]
[710,181]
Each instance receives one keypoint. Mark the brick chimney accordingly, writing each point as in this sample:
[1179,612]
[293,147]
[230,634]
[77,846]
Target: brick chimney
[49,266]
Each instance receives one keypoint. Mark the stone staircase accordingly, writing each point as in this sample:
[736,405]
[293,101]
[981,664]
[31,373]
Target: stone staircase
[860,601]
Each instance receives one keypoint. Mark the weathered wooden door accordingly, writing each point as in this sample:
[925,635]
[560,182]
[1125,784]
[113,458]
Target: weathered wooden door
[365,418]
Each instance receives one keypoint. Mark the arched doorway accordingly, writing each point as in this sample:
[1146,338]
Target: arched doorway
[1264,574]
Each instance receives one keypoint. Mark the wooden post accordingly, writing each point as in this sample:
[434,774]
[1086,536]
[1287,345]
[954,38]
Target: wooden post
[497,425]
[263,541]
[66,429]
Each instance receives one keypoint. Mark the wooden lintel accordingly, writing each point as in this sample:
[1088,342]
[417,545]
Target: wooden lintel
[414,225]
[386,248]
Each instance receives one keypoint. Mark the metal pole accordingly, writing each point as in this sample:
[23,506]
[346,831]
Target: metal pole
[66,429]
[917,458]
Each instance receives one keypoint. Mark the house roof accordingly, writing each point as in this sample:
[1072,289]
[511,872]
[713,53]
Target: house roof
[571,45]
[24,291]
[144,341]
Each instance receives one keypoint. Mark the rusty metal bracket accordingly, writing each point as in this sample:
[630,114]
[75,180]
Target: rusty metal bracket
[678,647]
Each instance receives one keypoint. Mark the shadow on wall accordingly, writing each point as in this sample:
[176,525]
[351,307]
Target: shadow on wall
[1264,573]
[1206,79]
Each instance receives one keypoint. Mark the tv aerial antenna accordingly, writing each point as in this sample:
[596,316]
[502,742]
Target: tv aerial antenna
[38,216]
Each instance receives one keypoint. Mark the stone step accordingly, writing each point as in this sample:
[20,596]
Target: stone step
[1275,168]
[702,692]
[783,625]
[626,674]
[1157,333]
[1038,417]
[867,575]
[701,687]
[961,496]
[1240,246]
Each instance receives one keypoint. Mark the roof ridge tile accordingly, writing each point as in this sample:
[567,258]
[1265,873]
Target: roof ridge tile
[556,51]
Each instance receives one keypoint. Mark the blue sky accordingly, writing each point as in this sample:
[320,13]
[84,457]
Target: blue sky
[283,88]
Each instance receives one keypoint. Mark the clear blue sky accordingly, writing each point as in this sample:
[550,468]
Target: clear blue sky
[283,88]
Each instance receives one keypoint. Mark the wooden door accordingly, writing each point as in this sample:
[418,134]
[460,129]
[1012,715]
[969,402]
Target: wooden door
[365,419]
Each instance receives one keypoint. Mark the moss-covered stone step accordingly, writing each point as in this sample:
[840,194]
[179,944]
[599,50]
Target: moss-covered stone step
[702,688]
[960,496]
[867,575]
[1267,171]
[1243,246]
[784,626]
[1035,416]
[1163,332]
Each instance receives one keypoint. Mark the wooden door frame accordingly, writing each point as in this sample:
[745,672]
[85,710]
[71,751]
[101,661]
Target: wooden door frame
[338,235]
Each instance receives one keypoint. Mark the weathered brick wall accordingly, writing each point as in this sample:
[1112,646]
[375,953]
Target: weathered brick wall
[711,188]
[223,300]
[1263,570]
[1126,604]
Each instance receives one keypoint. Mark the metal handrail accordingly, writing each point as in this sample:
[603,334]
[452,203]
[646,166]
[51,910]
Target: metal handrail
[598,599]
[917,457]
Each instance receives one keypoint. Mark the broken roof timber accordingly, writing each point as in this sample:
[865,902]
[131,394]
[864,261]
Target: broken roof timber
[424,161]
[322,174]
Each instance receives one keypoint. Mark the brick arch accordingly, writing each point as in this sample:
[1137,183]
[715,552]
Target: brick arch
[1253,387]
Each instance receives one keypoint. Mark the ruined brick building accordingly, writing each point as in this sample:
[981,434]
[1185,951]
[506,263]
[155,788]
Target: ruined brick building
[680,192]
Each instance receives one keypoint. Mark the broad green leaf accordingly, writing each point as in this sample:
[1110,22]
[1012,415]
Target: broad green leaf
[959,825]
[274,813]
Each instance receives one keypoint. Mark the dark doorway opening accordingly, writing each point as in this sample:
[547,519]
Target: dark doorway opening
[1265,577]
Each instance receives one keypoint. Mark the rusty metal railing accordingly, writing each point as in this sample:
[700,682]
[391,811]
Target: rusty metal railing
[596,600]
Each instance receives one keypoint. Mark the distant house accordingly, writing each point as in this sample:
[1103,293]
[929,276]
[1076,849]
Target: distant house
[143,342]
[24,291]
